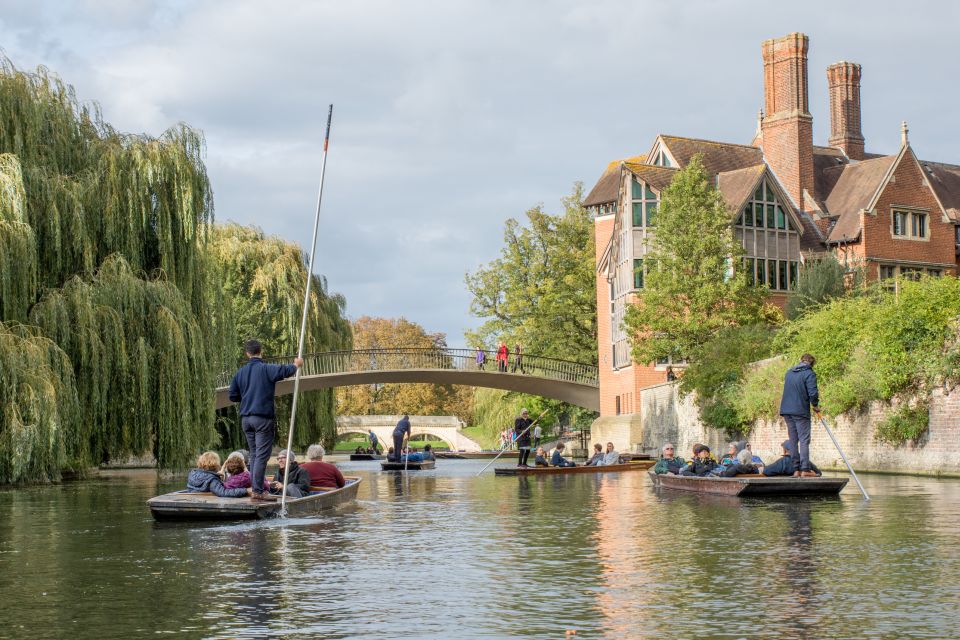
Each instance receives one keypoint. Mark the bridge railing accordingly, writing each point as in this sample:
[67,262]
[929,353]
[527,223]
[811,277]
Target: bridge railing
[387,359]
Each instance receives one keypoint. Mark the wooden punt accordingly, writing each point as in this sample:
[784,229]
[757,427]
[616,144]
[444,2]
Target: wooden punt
[475,455]
[752,485]
[411,466]
[364,456]
[551,471]
[182,505]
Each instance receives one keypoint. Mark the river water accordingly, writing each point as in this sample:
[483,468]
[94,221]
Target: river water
[443,554]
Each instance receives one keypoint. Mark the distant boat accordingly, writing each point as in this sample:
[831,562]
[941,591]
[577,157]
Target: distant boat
[552,471]
[410,466]
[183,505]
[751,485]
[364,456]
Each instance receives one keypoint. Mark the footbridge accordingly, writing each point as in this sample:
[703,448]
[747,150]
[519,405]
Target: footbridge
[447,428]
[572,382]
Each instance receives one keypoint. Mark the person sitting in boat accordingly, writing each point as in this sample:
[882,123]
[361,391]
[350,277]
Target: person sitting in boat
[741,466]
[428,452]
[668,462]
[391,457]
[611,456]
[597,458]
[322,474]
[557,458]
[540,460]
[298,484]
[205,479]
[785,465]
[235,473]
[702,465]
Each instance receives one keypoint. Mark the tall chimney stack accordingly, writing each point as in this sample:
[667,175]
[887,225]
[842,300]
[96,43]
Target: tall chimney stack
[844,81]
[788,126]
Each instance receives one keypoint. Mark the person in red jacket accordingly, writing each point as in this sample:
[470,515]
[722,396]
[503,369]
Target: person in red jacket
[322,474]
[503,355]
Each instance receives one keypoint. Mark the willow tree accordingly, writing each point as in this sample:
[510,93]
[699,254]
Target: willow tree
[18,250]
[261,280]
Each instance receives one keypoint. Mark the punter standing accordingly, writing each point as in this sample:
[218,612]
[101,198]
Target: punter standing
[799,393]
[521,430]
[400,433]
[254,387]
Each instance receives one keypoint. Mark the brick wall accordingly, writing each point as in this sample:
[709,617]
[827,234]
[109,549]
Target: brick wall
[666,417]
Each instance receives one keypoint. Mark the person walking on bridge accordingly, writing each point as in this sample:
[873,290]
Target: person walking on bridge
[521,430]
[401,433]
[503,356]
[254,387]
[517,358]
[799,393]
[481,358]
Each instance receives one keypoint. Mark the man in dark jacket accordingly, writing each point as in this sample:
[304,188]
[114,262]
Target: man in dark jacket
[799,393]
[400,433]
[254,387]
[522,436]
[298,484]
[784,466]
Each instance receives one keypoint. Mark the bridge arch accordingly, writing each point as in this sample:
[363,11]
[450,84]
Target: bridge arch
[446,428]
[571,382]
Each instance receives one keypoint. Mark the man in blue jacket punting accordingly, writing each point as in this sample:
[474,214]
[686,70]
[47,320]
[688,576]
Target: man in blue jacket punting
[254,387]
[799,393]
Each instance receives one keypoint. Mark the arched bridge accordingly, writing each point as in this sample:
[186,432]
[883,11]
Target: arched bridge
[564,380]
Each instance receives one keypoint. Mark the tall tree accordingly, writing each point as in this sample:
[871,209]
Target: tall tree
[385,399]
[692,292]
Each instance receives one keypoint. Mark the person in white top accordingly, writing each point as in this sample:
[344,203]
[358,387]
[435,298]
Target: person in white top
[536,436]
[611,456]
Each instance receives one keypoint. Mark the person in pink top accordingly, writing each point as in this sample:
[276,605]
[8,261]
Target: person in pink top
[235,473]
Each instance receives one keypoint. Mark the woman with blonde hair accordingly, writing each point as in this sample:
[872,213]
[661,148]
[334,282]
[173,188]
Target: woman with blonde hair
[205,478]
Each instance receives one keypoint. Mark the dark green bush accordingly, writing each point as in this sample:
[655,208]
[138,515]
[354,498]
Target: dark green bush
[906,423]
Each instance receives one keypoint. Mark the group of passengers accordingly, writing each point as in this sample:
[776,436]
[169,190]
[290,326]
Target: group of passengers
[739,460]
[412,455]
[599,459]
[232,479]
[362,451]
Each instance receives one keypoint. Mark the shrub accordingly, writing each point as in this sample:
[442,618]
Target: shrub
[906,423]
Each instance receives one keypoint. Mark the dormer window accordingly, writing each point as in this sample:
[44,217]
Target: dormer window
[765,210]
[661,159]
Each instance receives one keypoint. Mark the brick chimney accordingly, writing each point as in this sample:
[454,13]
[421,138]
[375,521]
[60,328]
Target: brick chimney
[844,81]
[787,126]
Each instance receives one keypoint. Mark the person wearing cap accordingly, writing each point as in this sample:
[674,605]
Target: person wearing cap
[785,465]
[254,388]
[298,483]
[799,393]
[521,431]
[669,462]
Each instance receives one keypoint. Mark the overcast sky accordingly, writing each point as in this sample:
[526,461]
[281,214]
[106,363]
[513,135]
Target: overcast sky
[451,117]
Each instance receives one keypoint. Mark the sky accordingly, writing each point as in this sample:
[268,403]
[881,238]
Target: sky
[452,116]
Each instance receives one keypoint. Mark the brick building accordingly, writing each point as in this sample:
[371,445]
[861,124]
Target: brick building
[788,199]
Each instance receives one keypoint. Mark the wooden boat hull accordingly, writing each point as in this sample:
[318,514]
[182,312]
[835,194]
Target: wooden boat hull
[412,466]
[182,505]
[354,457]
[752,485]
[475,455]
[556,471]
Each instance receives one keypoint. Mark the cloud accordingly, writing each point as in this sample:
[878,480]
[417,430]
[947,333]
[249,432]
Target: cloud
[452,116]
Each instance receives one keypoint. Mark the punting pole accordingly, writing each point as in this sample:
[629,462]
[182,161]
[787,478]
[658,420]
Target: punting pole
[303,322]
[517,438]
[406,459]
[823,421]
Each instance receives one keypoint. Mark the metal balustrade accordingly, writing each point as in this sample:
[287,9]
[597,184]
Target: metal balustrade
[405,358]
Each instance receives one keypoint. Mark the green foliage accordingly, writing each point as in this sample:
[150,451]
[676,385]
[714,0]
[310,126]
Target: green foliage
[18,249]
[541,291]
[260,280]
[495,410]
[819,281]
[692,293]
[39,409]
[758,394]
[716,369]
[905,423]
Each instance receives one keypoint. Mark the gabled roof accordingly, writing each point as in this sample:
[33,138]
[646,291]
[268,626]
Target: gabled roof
[718,157]
[854,190]
[607,188]
[945,180]
[657,177]
[738,185]
[825,158]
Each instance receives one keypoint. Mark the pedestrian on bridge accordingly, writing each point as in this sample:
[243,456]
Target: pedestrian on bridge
[503,357]
[481,358]
[517,358]
[521,430]
[254,387]
[401,433]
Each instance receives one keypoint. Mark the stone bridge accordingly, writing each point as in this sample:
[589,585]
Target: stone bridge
[571,382]
[447,428]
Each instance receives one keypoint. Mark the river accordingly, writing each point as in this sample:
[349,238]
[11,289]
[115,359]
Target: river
[443,554]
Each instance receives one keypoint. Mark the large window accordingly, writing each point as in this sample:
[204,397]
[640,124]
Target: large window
[910,224]
[778,275]
[638,273]
[644,205]
[764,211]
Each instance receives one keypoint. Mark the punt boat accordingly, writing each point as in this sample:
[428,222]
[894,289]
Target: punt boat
[182,505]
[475,455]
[751,485]
[364,456]
[410,466]
[555,471]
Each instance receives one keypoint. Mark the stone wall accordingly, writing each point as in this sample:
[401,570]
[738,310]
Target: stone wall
[666,417]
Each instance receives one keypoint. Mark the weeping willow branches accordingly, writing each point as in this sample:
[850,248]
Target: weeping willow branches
[18,250]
